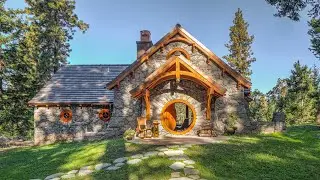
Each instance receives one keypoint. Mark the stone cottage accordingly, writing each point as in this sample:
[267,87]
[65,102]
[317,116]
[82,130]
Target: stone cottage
[176,81]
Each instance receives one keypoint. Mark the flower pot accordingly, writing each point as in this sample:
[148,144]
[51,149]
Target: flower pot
[129,138]
[230,130]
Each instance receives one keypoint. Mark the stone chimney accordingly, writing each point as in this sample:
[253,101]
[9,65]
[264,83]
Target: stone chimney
[145,42]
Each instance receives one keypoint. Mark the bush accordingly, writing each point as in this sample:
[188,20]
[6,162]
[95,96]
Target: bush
[129,134]
[232,120]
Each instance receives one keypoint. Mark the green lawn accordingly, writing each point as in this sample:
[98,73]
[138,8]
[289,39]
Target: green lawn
[292,155]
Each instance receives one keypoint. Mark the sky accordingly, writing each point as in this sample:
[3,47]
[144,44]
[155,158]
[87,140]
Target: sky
[115,26]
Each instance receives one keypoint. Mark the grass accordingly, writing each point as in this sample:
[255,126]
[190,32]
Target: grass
[39,162]
[291,155]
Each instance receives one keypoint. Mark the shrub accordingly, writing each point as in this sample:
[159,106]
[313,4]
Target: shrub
[231,121]
[129,134]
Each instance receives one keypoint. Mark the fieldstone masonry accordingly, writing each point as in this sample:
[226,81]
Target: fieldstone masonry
[85,124]
[126,109]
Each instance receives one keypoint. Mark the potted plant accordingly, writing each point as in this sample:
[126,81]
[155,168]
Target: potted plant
[129,134]
[231,128]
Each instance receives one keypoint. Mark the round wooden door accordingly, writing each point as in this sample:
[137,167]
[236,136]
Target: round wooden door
[169,117]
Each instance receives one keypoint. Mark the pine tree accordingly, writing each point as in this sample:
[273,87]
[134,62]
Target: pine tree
[316,83]
[314,32]
[300,103]
[52,26]
[36,43]
[240,57]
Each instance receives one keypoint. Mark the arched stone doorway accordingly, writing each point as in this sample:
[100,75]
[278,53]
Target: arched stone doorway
[178,117]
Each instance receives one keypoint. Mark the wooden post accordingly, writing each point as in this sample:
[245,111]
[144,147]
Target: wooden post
[147,102]
[209,98]
[177,71]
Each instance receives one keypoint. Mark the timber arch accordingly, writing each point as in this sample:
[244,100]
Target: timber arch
[176,68]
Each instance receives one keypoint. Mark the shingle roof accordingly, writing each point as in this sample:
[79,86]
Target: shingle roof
[79,84]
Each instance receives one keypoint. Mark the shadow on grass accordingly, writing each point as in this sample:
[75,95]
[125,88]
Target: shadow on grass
[292,155]
[39,162]
[155,168]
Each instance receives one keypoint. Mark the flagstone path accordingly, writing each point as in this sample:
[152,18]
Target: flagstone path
[182,168]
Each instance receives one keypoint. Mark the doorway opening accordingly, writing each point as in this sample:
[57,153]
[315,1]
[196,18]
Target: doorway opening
[178,117]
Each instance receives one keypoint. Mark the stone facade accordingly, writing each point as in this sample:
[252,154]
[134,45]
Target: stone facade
[127,109]
[85,124]
[185,90]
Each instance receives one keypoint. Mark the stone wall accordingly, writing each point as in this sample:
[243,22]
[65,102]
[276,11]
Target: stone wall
[128,109]
[85,124]
[278,124]
[185,90]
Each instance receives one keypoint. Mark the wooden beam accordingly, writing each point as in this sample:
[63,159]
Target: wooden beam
[222,72]
[182,51]
[178,39]
[208,60]
[132,75]
[162,74]
[147,102]
[193,48]
[118,85]
[238,85]
[177,71]
[188,39]
[209,98]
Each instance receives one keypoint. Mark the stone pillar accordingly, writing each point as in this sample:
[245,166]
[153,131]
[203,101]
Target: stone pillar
[279,120]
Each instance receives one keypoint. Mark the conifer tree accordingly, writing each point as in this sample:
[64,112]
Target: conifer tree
[36,43]
[240,57]
[300,101]
[316,82]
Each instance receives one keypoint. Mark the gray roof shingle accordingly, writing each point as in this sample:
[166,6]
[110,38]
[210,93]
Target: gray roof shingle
[79,84]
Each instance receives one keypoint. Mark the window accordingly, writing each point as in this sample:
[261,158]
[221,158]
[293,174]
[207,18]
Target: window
[66,116]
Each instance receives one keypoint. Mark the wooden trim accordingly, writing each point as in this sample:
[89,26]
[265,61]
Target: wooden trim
[209,98]
[222,72]
[178,39]
[194,115]
[67,104]
[238,85]
[142,59]
[187,38]
[183,51]
[161,75]
[177,71]
[147,103]
[215,58]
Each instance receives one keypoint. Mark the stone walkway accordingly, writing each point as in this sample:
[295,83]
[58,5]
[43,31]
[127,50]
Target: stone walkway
[182,169]
[179,140]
